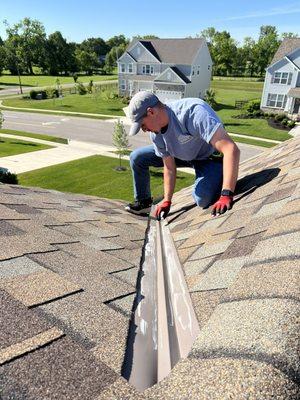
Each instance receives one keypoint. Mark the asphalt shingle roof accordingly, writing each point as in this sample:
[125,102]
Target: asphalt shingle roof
[68,272]
[172,51]
[286,47]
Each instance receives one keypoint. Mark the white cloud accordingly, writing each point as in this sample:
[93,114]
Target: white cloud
[287,9]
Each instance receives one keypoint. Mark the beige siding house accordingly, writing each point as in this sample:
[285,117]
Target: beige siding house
[281,91]
[171,68]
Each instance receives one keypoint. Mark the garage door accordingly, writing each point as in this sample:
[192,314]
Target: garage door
[165,95]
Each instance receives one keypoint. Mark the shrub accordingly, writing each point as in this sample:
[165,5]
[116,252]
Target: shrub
[210,98]
[8,177]
[1,119]
[284,122]
[251,106]
[280,117]
[125,100]
[257,113]
[51,93]
[33,94]
[291,124]
[81,88]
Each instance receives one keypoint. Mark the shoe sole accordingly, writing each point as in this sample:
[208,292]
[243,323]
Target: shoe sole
[144,211]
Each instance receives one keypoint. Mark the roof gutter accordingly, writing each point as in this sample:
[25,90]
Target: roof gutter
[164,325]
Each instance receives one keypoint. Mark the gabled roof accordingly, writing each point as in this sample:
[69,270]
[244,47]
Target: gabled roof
[68,274]
[176,72]
[172,51]
[286,47]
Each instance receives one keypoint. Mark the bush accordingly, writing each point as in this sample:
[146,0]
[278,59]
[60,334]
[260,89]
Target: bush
[280,117]
[126,100]
[257,113]
[32,94]
[291,124]
[8,177]
[284,122]
[51,93]
[251,106]
[81,88]
[210,98]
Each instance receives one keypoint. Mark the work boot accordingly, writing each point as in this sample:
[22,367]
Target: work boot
[140,207]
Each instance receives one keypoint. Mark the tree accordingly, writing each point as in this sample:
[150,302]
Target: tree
[266,47]
[30,38]
[117,41]
[120,141]
[2,58]
[87,61]
[145,37]
[59,54]
[289,35]
[96,45]
[248,56]
[112,57]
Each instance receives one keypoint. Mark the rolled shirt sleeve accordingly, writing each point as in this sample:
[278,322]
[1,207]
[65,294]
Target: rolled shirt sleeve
[203,121]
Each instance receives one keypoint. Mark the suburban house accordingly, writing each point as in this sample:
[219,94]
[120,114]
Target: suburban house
[170,68]
[281,91]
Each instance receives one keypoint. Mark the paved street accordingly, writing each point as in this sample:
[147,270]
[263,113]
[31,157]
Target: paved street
[85,130]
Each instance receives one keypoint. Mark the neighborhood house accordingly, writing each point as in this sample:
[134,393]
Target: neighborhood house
[170,68]
[281,91]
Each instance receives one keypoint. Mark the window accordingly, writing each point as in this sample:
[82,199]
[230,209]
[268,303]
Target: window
[122,67]
[148,69]
[123,84]
[276,100]
[208,67]
[282,78]
[130,68]
[169,76]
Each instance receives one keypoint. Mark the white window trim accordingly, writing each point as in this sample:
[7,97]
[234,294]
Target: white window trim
[280,80]
[144,69]
[123,84]
[276,100]
[122,65]
[130,72]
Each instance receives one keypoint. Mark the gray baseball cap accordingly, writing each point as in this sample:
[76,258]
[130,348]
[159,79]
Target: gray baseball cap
[137,109]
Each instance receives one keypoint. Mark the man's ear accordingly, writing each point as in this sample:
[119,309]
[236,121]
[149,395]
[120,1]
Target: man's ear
[150,111]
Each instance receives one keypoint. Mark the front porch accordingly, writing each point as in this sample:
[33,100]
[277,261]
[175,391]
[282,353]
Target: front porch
[294,103]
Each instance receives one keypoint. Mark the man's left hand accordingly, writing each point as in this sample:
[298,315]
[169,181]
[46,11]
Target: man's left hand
[222,205]
[162,210]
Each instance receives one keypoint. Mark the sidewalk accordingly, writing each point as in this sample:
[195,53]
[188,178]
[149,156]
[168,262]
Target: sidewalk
[60,153]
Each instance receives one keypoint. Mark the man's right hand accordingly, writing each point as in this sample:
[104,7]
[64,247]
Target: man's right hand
[162,210]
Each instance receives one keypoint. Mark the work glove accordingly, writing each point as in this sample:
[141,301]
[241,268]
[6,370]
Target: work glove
[162,210]
[222,205]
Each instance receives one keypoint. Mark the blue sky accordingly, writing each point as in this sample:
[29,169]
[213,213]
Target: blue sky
[166,19]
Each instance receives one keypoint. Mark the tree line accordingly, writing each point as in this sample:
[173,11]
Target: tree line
[27,46]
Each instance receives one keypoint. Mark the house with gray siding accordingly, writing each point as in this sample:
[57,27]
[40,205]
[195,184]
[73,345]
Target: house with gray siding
[281,91]
[170,68]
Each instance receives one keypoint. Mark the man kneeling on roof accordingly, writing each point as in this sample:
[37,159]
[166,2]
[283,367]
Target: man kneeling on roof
[184,133]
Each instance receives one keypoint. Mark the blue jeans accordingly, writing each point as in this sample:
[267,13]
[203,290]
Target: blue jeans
[208,175]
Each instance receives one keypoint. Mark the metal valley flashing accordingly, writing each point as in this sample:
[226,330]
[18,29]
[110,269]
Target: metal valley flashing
[164,325]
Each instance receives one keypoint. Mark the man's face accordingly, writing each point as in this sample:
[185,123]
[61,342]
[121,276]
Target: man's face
[150,122]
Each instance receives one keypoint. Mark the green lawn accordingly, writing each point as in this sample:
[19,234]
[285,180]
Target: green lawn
[10,147]
[227,92]
[45,80]
[89,103]
[96,176]
[35,136]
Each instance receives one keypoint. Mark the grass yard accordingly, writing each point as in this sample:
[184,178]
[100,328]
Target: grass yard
[96,176]
[89,103]
[10,147]
[227,92]
[34,135]
[45,80]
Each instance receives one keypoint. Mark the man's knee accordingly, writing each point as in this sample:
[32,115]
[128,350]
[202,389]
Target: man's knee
[202,200]
[136,156]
